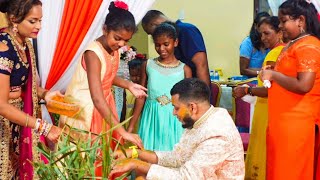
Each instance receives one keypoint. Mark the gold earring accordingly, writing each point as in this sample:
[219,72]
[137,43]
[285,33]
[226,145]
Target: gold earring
[302,30]
[15,30]
[280,40]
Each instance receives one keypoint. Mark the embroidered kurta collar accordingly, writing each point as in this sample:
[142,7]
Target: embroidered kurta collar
[204,117]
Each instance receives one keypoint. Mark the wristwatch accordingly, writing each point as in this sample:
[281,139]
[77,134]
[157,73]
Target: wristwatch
[250,91]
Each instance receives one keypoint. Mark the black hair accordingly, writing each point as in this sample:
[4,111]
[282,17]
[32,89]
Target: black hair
[166,28]
[254,34]
[273,21]
[135,63]
[18,8]
[150,16]
[119,18]
[191,89]
[296,8]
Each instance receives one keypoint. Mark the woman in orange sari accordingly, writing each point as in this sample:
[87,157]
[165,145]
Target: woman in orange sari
[294,96]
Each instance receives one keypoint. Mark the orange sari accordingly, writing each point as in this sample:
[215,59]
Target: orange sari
[293,117]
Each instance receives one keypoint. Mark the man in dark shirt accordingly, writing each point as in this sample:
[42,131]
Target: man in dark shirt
[191,49]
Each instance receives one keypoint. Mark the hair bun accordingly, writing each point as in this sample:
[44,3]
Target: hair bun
[116,5]
[4,5]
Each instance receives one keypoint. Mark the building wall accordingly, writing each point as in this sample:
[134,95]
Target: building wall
[223,25]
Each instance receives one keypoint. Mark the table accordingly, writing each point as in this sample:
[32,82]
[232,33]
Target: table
[226,97]
[226,101]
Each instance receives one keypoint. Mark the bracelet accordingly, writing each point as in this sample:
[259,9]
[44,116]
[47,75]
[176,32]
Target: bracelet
[37,124]
[27,120]
[47,129]
[134,153]
[250,91]
[42,127]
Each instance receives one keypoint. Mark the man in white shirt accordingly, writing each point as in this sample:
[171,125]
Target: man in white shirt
[210,147]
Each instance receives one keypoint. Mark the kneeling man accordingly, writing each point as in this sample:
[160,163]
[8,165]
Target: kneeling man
[210,147]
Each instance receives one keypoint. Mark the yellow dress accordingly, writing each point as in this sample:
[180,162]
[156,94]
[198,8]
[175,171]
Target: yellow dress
[130,100]
[256,154]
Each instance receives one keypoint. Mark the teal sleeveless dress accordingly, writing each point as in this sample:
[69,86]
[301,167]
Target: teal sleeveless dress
[159,129]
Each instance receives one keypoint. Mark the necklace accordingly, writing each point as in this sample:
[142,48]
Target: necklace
[22,47]
[293,41]
[166,65]
[296,39]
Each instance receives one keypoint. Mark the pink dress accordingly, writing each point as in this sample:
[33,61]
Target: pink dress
[90,119]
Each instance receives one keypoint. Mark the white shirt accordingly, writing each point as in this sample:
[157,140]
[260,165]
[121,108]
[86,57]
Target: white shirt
[212,149]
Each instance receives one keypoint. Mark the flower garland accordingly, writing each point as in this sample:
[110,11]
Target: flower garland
[127,53]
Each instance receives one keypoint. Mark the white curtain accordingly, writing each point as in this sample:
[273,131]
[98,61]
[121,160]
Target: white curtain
[47,40]
[137,7]
[274,5]
[316,4]
[48,36]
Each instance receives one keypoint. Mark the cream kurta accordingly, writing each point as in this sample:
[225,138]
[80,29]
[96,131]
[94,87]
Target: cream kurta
[212,149]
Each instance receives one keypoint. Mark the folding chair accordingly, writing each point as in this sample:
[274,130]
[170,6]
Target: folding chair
[215,93]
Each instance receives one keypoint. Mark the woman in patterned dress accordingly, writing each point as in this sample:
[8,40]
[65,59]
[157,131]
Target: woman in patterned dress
[19,129]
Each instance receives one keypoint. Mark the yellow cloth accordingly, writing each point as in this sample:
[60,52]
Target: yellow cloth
[256,154]
[3,21]
[130,100]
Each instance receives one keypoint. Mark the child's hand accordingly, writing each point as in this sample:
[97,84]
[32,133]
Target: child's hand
[134,138]
[130,129]
[137,90]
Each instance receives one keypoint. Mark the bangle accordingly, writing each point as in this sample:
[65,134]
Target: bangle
[27,120]
[250,91]
[47,129]
[134,153]
[37,124]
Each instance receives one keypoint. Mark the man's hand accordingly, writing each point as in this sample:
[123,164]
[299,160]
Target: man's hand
[119,155]
[122,166]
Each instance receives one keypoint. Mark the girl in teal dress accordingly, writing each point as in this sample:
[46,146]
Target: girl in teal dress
[159,129]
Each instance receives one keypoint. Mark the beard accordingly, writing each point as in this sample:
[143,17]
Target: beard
[188,122]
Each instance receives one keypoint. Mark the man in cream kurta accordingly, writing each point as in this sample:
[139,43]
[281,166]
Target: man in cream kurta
[210,147]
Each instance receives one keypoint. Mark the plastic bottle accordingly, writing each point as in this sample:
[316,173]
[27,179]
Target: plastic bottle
[212,73]
[216,76]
